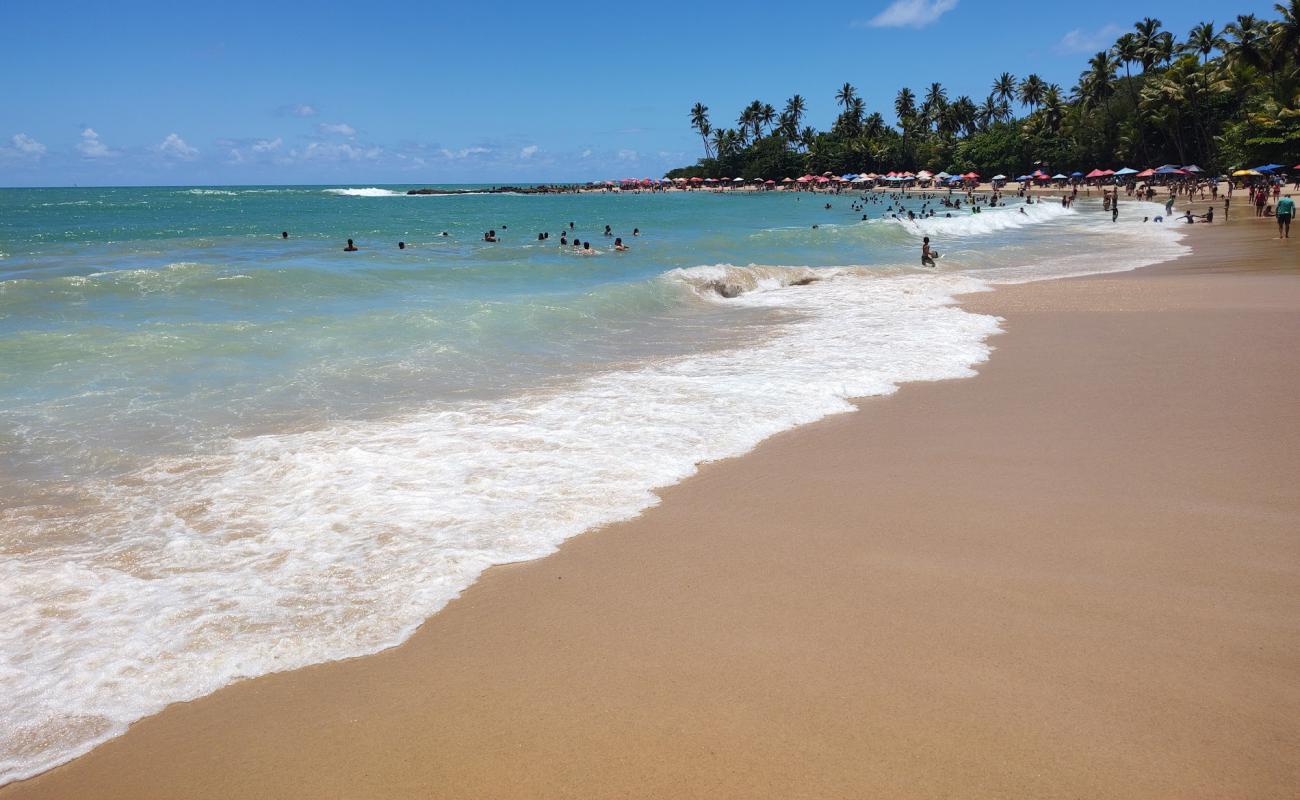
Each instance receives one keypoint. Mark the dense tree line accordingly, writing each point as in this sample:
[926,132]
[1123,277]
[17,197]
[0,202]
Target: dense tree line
[1221,98]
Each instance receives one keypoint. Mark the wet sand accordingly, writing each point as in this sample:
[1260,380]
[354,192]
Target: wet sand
[1075,575]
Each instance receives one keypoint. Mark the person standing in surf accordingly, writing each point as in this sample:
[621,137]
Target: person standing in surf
[1285,212]
[927,255]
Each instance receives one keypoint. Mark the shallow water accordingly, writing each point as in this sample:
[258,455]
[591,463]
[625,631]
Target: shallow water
[225,454]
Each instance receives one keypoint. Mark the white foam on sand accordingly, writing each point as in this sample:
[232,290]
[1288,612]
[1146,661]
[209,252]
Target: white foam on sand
[285,550]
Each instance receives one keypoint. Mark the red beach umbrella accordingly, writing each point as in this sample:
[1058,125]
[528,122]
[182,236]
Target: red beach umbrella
[1096,173]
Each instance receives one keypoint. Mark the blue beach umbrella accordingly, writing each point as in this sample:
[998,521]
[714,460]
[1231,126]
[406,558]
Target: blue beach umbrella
[1076,174]
[1126,171]
[1268,168]
[1168,169]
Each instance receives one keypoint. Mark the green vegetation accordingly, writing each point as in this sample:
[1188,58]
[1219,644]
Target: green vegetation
[1223,98]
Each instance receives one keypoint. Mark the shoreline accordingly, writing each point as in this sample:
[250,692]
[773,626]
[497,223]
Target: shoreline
[665,678]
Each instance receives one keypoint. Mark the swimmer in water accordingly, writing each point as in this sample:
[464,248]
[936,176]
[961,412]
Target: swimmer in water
[351,248]
[284,234]
[586,249]
[927,255]
[490,236]
[620,247]
[401,245]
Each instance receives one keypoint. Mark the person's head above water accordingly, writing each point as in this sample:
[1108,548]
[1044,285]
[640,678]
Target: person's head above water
[401,245]
[285,234]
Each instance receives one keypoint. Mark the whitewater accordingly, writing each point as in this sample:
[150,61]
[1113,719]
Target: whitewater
[235,551]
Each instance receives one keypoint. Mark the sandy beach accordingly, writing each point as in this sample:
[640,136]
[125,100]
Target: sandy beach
[1075,575]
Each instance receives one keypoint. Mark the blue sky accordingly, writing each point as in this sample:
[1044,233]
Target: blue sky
[359,93]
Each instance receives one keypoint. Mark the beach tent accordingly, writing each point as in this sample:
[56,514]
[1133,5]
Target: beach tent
[1193,168]
[738,180]
[1268,168]
[787,180]
[769,182]
[925,174]
[1022,178]
[943,175]
[1146,173]
[999,177]
[802,179]
[1127,171]
[1059,177]
[1076,174]
[1170,170]
[1096,173]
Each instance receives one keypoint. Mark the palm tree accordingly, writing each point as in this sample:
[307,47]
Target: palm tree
[905,107]
[1053,109]
[987,113]
[1203,39]
[700,122]
[1285,40]
[1128,51]
[936,102]
[1246,43]
[1031,92]
[1004,88]
[795,108]
[766,114]
[1097,84]
[1148,41]
[845,95]
[965,114]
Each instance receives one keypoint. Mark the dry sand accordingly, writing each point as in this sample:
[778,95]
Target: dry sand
[1076,575]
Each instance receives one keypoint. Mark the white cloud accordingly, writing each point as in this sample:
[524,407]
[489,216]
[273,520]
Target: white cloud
[297,110]
[325,151]
[175,147]
[23,146]
[528,152]
[341,128]
[628,155]
[267,145]
[586,153]
[910,14]
[464,152]
[1084,41]
[91,147]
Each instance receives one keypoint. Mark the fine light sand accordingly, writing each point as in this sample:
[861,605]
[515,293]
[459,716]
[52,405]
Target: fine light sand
[1076,575]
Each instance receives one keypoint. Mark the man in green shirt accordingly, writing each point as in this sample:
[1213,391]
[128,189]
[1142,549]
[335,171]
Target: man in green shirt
[1285,211]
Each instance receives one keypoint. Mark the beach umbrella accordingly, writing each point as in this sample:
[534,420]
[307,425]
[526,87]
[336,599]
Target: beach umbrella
[999,177]
[697,179]
[1059,177]
[1096,173]
[943,175]
[742,180]
[1146,173]
[769,182]
[787,180]
[1076,174]
[1244,173]
[971,176]
[1193,168]
[1170,170]
[925,173]
[1127,171]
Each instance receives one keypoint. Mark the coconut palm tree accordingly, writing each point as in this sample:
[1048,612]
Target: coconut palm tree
[766,115]
[795,108]
[1148,41]
[1097,83]
[965,114]
[1285,41]
[845,95]
[1031,92]
[1004,88]
[987,113]
[1203,39]
[700,122]
[1246,40]
[905,108]
[935,103]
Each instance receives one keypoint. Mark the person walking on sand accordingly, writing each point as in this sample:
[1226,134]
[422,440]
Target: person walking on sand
[927,255]
[1285,211]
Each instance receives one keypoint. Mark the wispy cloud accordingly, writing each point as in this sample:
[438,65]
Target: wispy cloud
[23,146]
[464,152]
[528,152]
[628,155]
[175,147]
[1081,40]
[909,14]
[299,110]
[340,128]
[91,146]
[329,151]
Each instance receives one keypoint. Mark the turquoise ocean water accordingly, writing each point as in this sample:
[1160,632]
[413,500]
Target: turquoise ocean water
[223,453]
